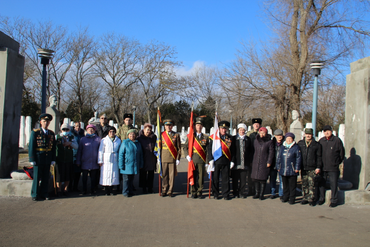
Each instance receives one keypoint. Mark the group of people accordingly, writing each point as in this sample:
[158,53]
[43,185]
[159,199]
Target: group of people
[258,156]
[109,156]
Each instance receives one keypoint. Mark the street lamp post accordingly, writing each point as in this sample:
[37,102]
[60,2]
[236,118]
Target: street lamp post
[134,109]
[316,69]
[231,121]
[45,55]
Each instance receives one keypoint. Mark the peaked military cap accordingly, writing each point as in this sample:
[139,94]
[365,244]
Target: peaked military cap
[45,116]
[224,124]
[256,120]
[168,122]
[127,115]
[308,131]
[199,120]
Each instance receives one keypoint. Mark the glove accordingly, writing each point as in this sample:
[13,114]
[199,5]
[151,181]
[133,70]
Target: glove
[33,163]
[177,162]
[188,158]
[231,165]
[211,164]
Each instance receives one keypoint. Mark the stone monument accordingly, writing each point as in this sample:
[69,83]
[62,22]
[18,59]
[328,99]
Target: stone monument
[296,126]
[11,85]
[53,111]
[357,137]
[95,119]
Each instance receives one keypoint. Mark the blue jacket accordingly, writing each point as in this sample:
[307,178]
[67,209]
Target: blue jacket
[130,157]
[289,160]
[87,153]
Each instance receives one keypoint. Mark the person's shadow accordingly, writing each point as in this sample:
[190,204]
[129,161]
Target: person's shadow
[352,168]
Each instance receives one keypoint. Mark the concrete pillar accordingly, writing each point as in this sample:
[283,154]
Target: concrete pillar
[28,129]
[357,143]
[11,84]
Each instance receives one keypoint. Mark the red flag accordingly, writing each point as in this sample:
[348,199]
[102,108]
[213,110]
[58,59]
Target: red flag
[191,166]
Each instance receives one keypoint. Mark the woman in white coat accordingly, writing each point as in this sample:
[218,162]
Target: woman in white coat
[108,160]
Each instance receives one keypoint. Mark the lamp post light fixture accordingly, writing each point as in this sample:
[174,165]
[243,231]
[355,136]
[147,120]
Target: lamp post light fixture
[316,69]
[231,122]
[45,55]
[134,109]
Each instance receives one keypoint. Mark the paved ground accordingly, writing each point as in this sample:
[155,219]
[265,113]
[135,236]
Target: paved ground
[149,220]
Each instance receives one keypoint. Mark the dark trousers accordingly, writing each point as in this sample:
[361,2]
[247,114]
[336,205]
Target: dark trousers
[289,185]
[239,175]
[333,177]
[40,173]
[75,179]
[93,178]
[128,184]
[250,181]
[146,179]
[222,169]
[198,174]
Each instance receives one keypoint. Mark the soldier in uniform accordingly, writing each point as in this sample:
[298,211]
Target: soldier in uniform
[41,153]
[122,131]
[170,155]
[199,157]
[256,123]
[222,164]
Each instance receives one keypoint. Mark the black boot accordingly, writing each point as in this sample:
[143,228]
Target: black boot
[257,189]
[107,190]
[262,193]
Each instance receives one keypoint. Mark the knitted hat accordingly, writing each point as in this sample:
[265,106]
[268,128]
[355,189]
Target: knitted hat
[263,129]
[91,126]
[241,125]
[289,134]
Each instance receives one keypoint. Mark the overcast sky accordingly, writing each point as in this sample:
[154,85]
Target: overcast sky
[202,31]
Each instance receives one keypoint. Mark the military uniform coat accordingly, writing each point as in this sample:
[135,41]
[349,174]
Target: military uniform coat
[165,152]
[204,141]
[122,131]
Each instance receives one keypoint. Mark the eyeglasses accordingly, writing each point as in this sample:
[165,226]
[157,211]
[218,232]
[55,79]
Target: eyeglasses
[65,129]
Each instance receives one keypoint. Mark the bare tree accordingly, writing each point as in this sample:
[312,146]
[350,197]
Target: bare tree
[305,30]
[116,61]
[156,73]
[81,77]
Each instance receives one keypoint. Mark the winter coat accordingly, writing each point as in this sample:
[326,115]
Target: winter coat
[130,157]
[289,160]
[263,155]
[148,145]
[100,131]
[311,155]
[236,152]
[332,153]
[277,147]
[87,153]
[108,156]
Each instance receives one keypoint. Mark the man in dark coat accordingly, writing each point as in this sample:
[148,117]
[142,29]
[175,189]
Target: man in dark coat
[147,140]
[102,129]
[311,166]
[278,141]
[332,157]
[256,124]
[41,153]
[222,164]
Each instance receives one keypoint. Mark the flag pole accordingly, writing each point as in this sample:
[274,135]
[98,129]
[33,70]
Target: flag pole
[190,129]
[210,172]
